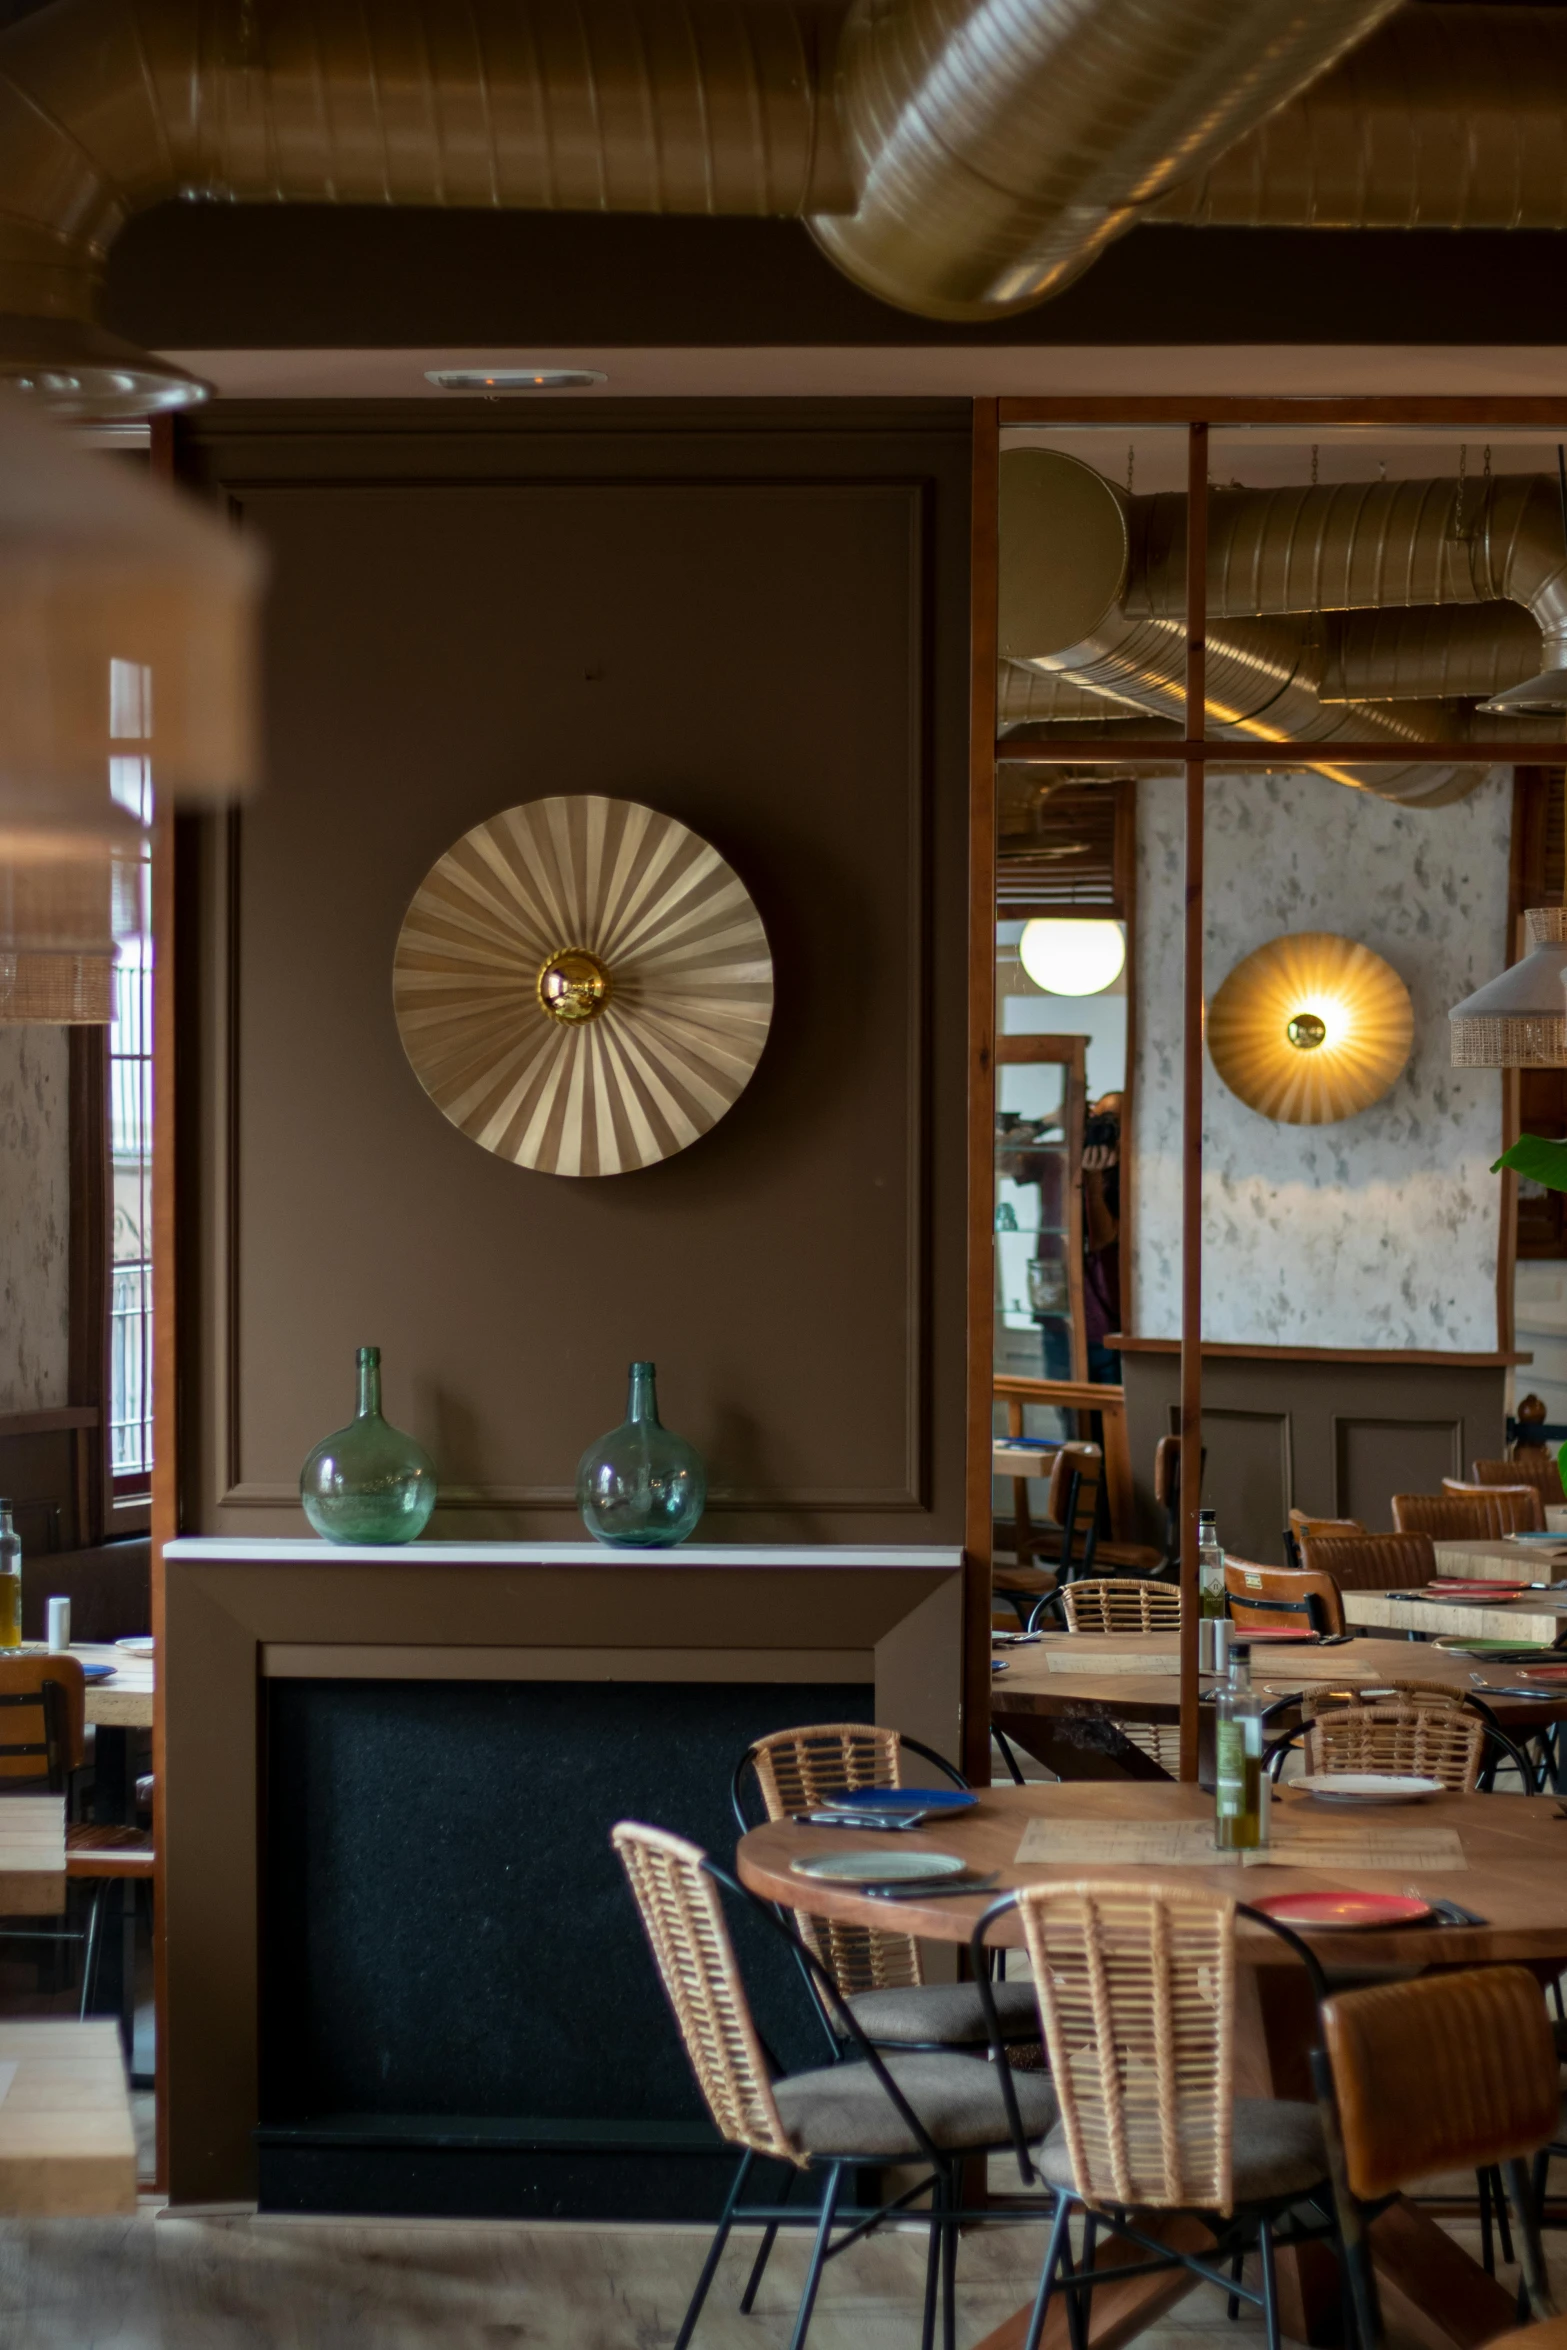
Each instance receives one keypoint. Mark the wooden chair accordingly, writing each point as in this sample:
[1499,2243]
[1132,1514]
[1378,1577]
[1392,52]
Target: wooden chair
[1483,1514]
[1300,1525]
[1072,1510]
[1113,1603]
[43,1714]
[1136,1988]
[1531,1464]
[879,1975]
[1167,1493]
[1370,1562]
[1266,1599]
[1449,2072]
[1525,1492]
[930,2109]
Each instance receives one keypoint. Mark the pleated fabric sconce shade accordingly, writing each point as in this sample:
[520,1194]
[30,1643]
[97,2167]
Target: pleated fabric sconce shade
[1520,1020]
[1311,1029]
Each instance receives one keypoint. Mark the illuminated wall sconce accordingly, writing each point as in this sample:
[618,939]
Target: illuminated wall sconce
[1311,1029]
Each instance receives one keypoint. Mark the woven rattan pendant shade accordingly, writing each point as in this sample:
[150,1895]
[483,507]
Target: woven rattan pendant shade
[583,986]
[1519,1021]
[60,920]
[1341,987]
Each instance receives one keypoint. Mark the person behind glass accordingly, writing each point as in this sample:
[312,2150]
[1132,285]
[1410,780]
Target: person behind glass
[1101,1180]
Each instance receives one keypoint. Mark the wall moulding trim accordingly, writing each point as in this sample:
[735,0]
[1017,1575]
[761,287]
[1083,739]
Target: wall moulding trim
[228,1485]
[1345,1423]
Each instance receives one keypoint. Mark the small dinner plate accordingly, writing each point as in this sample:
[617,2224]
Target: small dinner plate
[880,1868]
[1240,1633]
[888,1800]
[1476,1594]
[1534,1537]
[97,1672]
[1339,1912]
[1363,1787]
[138,1644]
[1511,1651]
[1545,1672]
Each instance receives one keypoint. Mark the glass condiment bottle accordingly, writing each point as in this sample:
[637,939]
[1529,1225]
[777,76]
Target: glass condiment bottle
[641,1487]
[1241,1789]
[10,1580]
[368,1482]
[1211,1599]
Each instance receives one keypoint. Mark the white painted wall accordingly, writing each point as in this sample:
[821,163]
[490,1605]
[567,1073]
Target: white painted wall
[35,1218]
[1381,1230]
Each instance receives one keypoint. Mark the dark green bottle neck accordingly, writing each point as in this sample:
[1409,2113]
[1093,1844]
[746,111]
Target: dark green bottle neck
[642,1401]
[369,1383]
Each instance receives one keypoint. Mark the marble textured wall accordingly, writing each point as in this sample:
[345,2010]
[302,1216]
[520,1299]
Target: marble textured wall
[35,1218]
[1381,1230]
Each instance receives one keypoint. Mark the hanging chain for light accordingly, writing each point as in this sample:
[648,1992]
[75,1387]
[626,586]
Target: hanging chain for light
[1314,464]
[1131,465]
[1463,474]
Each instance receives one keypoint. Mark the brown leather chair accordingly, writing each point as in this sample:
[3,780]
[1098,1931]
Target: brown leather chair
[1370,1562]
[1167,1492]
[1273,1599]
[1451,2072]
[1301,1524]
[1524,1495]
[1483,1514]
[1531,1464]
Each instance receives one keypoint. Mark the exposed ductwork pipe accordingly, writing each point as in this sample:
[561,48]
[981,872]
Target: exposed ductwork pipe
[1447,117]
[1436,652]
[1000,145]
[1093,591]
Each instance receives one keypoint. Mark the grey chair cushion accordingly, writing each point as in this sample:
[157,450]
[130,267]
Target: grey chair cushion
[1278,2150]
[844,2109]
[948,2014]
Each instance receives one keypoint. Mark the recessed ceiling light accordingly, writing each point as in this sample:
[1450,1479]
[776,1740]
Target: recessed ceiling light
[495,380]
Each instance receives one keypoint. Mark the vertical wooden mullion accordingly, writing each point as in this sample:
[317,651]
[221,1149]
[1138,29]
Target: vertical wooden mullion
[90,1253]
[981,1343]
[1191,1117]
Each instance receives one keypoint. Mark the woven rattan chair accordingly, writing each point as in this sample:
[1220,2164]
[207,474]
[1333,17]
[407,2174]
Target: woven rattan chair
[877,1974]
[1370,1562]
[1113,1603]
[1410,1739]
[1266,1599]
[1322,1699]
[926,2109]
[1483,1514]
[1137,2002]
[1531,1464]
[1452,2072]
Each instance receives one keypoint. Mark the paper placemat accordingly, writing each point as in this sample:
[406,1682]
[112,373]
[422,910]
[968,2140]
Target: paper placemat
[1121,1844]
[1411,1851]
[1114,1660]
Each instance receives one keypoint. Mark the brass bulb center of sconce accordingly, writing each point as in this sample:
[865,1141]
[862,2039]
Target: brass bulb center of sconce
[1305,1032]
[573,986]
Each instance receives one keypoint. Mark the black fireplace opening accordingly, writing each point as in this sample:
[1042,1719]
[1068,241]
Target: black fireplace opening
[460,2013]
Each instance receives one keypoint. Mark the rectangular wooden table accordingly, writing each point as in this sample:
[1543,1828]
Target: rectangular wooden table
[1540,1561]
[1539,1616]
[67,2147]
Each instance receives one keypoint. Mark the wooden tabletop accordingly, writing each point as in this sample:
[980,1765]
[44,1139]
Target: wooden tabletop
[1540,1561]
[1035,1681]
[124,1703]
[67,2146]
[1514,1846]
[1540,1615]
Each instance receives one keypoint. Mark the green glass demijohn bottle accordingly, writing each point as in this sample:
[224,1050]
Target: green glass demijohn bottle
[640,1487]
[368,1482]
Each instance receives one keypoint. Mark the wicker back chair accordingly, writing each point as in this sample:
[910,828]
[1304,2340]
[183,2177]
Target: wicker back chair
[1409,1739]
[796,1770]
[1266,1599]
[1137,1995]
[1402,1690]
[685,1924]
[1370,1562]
[1531,1464]
[1116,1603]
[1481,1515]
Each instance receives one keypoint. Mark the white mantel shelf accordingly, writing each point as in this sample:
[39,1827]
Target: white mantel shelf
[248,1550]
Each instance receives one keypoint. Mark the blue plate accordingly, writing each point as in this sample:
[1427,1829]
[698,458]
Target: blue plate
[889,1800]
[98,1672]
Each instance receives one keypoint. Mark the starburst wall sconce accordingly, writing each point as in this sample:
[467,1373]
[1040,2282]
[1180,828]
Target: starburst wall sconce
[1311,1029]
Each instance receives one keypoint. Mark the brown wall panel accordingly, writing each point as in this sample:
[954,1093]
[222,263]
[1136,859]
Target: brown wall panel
[1250,1477]
[754,619]
[1373,1459]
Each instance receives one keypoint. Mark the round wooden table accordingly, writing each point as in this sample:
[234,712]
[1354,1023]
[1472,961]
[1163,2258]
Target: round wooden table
[1515,1878]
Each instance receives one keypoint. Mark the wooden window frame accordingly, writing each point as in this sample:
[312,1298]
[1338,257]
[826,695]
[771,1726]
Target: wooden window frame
[114,1506]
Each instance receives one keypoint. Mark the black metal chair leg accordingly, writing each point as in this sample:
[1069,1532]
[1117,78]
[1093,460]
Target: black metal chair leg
[90,1941]
[932,2265]
[1058,2241]
[813,2276]
[1531,2252]
[1487,2245]
[1077,2298]
[1504,2234]
[949,2265]
[1270,2283]
[714,2253]
[1232,2307]
[764,2249]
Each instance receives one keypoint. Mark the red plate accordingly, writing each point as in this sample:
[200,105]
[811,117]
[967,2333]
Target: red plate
[1240,1632]
[1489,1585]
[1544,1672]
[1339,1912]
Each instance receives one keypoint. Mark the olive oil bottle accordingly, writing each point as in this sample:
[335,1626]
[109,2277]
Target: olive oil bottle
[1240,1783]
[10,1580]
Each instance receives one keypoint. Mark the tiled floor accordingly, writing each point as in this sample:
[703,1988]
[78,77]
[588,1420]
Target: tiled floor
[237,2284]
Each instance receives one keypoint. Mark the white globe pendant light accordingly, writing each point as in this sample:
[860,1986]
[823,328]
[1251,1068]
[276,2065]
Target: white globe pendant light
[1073,957]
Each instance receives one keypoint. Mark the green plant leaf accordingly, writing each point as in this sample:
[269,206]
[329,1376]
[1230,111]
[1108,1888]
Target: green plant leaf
[1538,1158]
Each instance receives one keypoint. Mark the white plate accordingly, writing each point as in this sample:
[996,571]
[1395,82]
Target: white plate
[1366,1787]
[880,1868]
[138,1644]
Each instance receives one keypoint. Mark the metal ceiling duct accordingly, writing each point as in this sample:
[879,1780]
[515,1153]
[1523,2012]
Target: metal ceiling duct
[999,145]
[650,106]
[1093,591]
[1427,652]
[1447,117]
